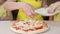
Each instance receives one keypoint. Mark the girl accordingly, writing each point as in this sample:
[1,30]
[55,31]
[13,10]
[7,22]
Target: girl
[8,6]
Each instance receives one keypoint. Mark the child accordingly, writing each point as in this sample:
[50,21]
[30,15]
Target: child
[8,6]
[55,5]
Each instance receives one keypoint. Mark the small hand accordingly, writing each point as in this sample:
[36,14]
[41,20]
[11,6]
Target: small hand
[29,10]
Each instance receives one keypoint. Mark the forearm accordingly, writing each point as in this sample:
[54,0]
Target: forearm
[11,0]
[12,6]
[16,5]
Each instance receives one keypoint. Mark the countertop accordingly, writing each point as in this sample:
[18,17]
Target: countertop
[54,27]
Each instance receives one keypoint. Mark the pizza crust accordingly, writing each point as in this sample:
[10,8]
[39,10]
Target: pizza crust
[30,32]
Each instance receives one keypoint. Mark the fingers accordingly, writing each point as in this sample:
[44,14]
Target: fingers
[30,14]
[29,10]
[53,7]
[51,11]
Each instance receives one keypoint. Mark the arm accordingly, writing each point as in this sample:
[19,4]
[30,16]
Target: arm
[54,7]
[9,6]
[52,10]
[12,0]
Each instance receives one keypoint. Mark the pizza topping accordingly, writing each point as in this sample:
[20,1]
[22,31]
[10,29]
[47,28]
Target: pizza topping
[26,30]
[31,29]
[17,28]
[14,24]
[39,28]
[29,25]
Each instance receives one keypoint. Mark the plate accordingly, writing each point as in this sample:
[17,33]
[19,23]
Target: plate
[44,12]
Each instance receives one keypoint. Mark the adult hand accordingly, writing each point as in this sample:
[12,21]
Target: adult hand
[54,7]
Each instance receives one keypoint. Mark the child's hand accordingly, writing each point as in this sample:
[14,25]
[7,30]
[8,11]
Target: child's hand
[11,0]
[29,10]
[18,5]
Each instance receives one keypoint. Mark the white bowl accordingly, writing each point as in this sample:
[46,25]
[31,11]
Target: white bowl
[44,12]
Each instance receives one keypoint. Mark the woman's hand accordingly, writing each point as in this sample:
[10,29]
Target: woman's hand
[51,10]
[54,7]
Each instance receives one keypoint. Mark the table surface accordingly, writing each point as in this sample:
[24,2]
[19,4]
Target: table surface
[5,27]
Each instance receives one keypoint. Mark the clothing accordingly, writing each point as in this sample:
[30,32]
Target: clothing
[15,13]
[57,16]
[35,3]
[23,16]
[3,12]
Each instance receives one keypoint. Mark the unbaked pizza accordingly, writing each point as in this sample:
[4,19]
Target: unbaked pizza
[29,26]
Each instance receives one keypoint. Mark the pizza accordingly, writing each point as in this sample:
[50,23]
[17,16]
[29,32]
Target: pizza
[29,26]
